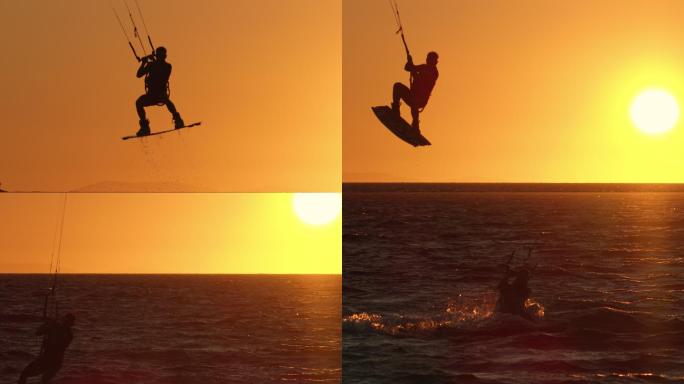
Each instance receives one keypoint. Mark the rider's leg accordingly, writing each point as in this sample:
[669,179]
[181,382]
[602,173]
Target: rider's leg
[177,120]
[400,91]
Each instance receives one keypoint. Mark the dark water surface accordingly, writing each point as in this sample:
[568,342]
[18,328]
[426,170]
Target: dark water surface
[421,267]
[180,329]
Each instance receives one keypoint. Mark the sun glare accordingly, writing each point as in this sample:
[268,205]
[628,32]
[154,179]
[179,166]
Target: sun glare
[654,111]
[317,208]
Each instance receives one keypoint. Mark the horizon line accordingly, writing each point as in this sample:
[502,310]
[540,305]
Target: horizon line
[517,182]
[172,273]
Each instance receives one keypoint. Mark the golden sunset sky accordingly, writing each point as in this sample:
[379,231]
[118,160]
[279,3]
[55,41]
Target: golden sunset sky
[212,233]
[264,77]
[529,91]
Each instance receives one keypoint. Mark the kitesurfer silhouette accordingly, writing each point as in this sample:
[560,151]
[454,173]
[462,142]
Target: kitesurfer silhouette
[57,336]
[514,294]
[157,71]
[423,79]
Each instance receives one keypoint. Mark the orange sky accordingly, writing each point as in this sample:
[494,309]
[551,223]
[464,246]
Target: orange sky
[529,91]
[166,233]
[263,75]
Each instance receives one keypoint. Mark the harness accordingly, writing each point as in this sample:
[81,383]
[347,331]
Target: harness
[167,92]
[148,89]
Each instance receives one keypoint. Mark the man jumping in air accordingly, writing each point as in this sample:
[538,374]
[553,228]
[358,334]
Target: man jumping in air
[157,72]
[423,79]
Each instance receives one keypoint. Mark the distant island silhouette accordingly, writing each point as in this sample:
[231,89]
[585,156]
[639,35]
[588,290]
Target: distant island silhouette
[120,186]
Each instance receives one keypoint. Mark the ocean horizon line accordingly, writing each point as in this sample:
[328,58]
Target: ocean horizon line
[509,187]
[163,274]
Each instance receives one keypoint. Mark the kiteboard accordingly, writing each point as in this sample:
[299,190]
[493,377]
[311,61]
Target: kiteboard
[162,132]
[399,127]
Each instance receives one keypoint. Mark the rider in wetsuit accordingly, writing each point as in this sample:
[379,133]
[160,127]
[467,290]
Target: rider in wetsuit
[57,336]
[157,72]
[514,294]
[423,79]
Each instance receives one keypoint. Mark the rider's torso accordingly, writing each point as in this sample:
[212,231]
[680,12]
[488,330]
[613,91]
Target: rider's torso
[157,77]
[424,79]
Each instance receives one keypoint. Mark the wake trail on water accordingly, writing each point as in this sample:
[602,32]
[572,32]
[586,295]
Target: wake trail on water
[460,314]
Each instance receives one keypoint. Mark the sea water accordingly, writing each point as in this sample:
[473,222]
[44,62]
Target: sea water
[422,262]
[179,328]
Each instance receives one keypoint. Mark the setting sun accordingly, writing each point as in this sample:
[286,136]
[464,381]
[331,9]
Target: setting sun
[654,111]
[317,208]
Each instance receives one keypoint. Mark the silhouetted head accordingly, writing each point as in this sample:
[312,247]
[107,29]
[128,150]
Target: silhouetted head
[160,52]
[432,58]
[68,320]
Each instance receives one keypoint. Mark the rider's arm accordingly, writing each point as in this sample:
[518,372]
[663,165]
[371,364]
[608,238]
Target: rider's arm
[409,64]
[167,72]
[144,67]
